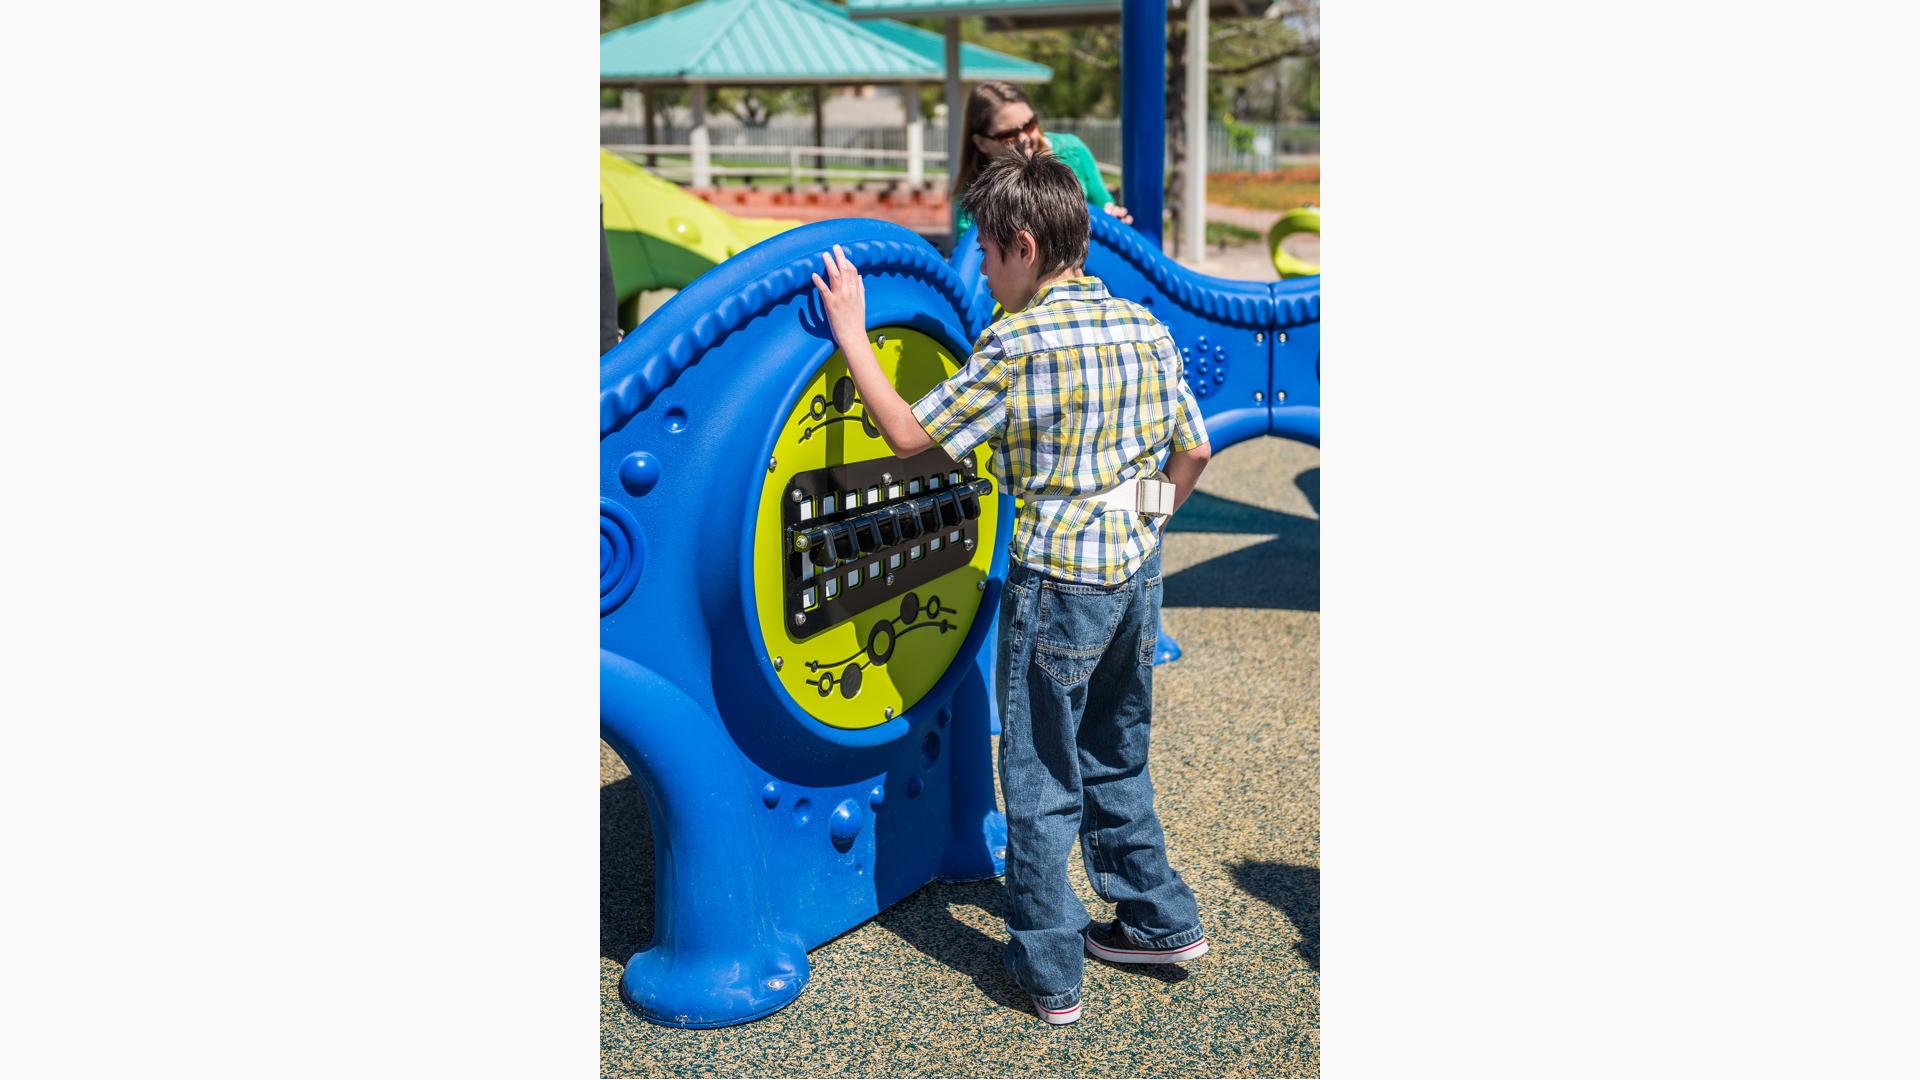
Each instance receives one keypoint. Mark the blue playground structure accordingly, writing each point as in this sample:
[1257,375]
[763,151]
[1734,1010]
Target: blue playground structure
[793,620]
[1252,347]
[797,627]
[796,646]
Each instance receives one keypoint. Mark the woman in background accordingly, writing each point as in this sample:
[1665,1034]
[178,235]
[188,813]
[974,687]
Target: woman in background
[1000,119]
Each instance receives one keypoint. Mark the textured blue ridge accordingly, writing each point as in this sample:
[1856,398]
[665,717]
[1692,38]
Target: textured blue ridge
[1237,303]
[703,314]
[1296,301]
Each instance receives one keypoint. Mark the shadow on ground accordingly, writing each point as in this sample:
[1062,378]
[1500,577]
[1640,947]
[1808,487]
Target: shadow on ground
[926,921]
[1204,512]
[1295,890]
[626,871]
[1211,513]
[1309,484]
[1283,573]
[1277,574]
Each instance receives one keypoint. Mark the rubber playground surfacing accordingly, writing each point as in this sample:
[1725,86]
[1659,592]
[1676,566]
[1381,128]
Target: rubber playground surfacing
[919,991]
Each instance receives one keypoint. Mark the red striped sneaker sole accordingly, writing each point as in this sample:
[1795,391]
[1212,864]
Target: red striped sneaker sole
[1058,1016]
[1146,956]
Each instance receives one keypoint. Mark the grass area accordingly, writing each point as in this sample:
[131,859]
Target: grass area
[1282,189]
[1222,234]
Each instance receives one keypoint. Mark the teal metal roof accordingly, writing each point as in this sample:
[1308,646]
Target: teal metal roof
[915,9]
[977,62]
[788,41]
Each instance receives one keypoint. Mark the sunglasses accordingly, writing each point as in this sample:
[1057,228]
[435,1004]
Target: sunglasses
[1031,127]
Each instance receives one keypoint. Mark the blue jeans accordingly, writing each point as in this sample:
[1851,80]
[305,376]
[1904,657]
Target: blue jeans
[1075,682]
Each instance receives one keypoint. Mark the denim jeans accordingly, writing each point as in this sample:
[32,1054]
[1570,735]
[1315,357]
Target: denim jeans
[1075,683]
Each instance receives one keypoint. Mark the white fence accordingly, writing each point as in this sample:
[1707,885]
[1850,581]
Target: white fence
[795,163]
[1261,147]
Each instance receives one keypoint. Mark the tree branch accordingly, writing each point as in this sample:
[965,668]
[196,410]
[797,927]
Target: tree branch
[1103,63]
[1267,61]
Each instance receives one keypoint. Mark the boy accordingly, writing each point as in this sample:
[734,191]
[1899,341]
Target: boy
[1082,395]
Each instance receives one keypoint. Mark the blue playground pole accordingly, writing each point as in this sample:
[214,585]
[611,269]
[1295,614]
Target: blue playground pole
[1143,113]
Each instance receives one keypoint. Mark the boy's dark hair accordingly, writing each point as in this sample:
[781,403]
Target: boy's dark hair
[1039,194]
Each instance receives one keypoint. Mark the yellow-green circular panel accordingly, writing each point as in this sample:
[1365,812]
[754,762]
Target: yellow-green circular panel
[883,645]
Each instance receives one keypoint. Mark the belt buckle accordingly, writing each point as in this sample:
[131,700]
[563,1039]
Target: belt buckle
[1152,501]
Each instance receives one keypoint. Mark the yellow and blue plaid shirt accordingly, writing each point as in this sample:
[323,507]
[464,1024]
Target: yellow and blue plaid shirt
[1075,394]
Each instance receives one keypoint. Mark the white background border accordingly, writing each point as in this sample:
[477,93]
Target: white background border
[298,422]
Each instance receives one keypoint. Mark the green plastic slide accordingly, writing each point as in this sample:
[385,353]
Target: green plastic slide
[660,237]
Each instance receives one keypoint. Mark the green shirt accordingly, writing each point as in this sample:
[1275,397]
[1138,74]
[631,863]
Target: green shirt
[1067,148]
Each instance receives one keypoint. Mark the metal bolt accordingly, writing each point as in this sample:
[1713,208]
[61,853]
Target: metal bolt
[1259,339]
[889,579]
[1258,397]
[1279,396]
[799,618]
[889,712]
[980,586]
[969,543]
[779,662]
[796,495]
[776,984]
[883,339]
[886,478]
[1282,339]
[772,464]
[999,853]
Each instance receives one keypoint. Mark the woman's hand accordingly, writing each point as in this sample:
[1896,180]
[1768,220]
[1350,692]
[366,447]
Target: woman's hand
[844,297]
[1114,209]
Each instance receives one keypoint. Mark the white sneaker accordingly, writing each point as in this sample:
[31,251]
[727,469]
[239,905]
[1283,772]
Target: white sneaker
[1058,1016]
[1108,942]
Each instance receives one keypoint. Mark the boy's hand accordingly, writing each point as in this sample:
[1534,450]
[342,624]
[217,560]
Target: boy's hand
[844,298]
[845,301]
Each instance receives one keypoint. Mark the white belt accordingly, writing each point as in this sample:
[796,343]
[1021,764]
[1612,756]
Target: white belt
[1142,494]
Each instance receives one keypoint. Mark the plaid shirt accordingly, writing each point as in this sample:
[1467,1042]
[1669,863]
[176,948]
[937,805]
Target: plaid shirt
[1076,393]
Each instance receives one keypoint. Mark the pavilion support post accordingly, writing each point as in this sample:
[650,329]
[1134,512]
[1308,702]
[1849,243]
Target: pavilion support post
[1195,216]
[820,132]
[956,103]
[649,106]
[1143,118]
[916,135]
[697,137]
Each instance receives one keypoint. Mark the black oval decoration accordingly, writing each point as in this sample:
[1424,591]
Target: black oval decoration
[880,641]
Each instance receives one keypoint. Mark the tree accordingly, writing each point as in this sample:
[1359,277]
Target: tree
[1236,49]
[615,14]
[1085,62]
[753,106]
